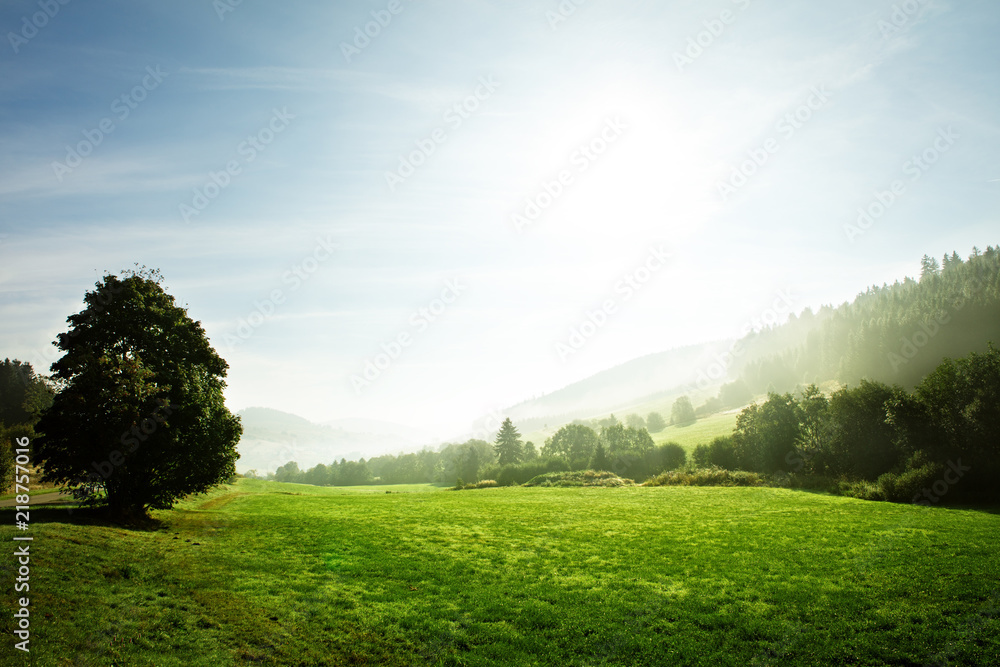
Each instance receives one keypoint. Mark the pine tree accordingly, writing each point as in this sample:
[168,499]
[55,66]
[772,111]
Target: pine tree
[508,444]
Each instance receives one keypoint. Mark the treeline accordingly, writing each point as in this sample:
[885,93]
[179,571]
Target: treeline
[885,442]
[615,447]
[895,334]
[23,396]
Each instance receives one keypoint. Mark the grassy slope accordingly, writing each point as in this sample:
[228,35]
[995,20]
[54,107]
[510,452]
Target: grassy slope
[701,432]
[290,575]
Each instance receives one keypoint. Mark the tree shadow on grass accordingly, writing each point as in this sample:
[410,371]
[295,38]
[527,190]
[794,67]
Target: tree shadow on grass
[70,512]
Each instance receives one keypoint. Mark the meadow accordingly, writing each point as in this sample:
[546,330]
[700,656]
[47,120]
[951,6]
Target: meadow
[701,432]
[262,573]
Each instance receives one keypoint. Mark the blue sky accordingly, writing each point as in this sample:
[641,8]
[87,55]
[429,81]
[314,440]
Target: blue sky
[617,99]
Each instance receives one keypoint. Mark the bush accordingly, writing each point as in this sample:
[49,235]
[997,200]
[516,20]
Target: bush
[580,478]
[481,484]
[863,490]
[709,477]
[519,473]
[907,487]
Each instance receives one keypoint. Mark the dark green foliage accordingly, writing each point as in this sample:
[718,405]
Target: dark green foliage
[140,420]
[863,444]
[508,445]
[938,443]
[814,439]
[23,394]
[600,460]
[720,453]
[672,456]
[682,412]
[709,477]
[766,434]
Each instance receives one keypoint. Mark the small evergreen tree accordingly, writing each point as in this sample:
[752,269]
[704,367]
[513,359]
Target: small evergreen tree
[508,444]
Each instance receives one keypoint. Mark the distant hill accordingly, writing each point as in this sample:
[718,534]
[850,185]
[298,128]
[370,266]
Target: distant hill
[648,379]
[892,333]
[272,438]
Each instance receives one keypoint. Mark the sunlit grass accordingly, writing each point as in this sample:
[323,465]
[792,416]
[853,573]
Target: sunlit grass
[701,432]
[284,574]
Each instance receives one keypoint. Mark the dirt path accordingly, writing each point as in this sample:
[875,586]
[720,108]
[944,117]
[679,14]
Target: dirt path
[43,499]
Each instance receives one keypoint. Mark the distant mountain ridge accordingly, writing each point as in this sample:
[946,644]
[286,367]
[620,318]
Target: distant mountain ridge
[272,438]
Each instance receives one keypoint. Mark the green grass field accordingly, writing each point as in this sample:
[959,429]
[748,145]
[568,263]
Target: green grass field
[701,432]
[260,573]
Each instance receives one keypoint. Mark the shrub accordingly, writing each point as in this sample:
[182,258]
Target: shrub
[709,477]
[907,487]
[481,484]
[863,490]
[580,478]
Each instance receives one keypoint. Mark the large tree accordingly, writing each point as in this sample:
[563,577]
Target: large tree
[508,444]
[140,420]
[573,442]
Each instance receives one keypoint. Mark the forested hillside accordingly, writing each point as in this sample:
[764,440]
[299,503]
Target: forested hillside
[894,333]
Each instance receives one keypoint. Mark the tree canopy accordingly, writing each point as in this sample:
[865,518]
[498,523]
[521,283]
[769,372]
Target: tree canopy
[140,420]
